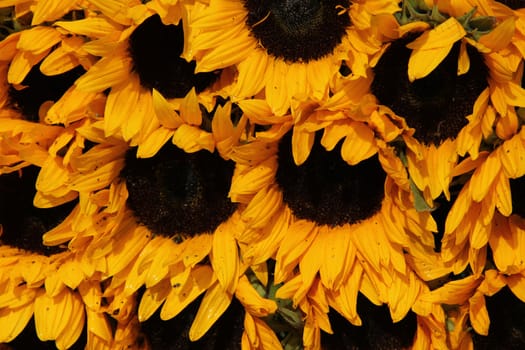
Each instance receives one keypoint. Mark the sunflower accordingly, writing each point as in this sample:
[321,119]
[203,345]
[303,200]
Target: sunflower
[261,176]
[34,81]
[307,208]
[285,50]
[138,62]
[481,310]
[43,281]
[124,232]
[37,12]
[447,50]
[487,215]
[43,55]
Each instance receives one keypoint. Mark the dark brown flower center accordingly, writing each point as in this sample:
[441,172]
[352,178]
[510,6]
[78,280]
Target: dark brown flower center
[39,89]
[437,105]
[23,224]
[155,49]
[325,189]
[177,192]
[298,30]
[517,188]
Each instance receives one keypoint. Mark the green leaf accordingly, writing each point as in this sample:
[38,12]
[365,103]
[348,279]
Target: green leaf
[419,201]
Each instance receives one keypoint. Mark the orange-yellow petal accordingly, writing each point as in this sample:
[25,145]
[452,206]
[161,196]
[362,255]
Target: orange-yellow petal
[13,321]
[215,302]
[224,257]
[252,301]
[432,47]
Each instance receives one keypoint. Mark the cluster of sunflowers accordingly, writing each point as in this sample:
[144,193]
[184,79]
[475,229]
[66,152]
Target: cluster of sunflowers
[247,174]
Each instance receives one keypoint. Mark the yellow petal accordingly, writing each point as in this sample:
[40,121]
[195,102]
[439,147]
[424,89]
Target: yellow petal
[514,94]
[262,207]
[8,47]
[501,36]
[483,177]
[189,109]
[418,26]
[137,276]
[22,64]
[129,244]
[300,236]
[504,244]
[215,302]
[50,10]
[258,111]
[93,27]
[154,142]
[224,257]
[423,62]
[54,284]
[53,314]
[180,296]
[463,59]
[209,39]
[152,299]
[492,283]
[219,12]
[75,324]
[114,9]
[197,249]
[454,292]
[38,39]
[276,87]
[512,156]
[458,211]
[51,176]
[91,294]
[122,105]
[333,133]
[251,80]
[107,72]
[192,139]
[345,298]
[478,314]
[302,143]
[159,268]
[503,195]
[165,112]
[97,179]
[71,274]
[98,324]
[339,255]
[252,301]
[253,178]
[15,296]
[432,47]
[273,234]
[261,272]
[13,321]
[359,144]
[72,106]
[516,284]
[258,335]
[403,294]
[59,61]
[288,289]
[227,54]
